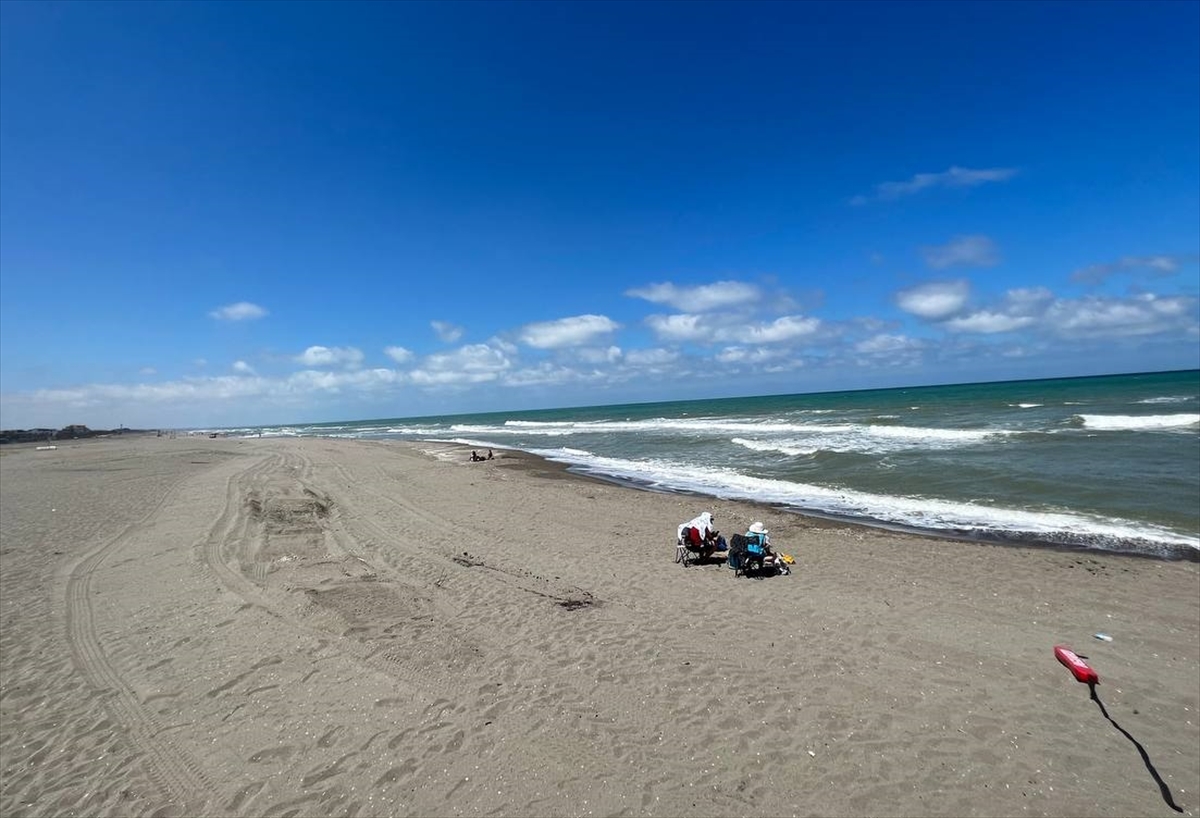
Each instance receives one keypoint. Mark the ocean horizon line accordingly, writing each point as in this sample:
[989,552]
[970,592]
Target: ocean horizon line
[747,396]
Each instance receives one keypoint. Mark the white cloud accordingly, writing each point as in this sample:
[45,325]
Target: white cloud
[1110,317]
[702,329]
[988,322]
[241,311]
[753,355]
[474,363]
[954,177]
[504,345]
[935,300]
[544,374]
[330,356]
[198,396]
[963,251]
[599,355]
[702,298]
[786,328]
[884,343]
[679,328]
[567,332]
[1161,265]
[243,368]
[1091,317]
[363,380]
[651,357]
[147,370]
[446,331]
[398,354]
[1026,299]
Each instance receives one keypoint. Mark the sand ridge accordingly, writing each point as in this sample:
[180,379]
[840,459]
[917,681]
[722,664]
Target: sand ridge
[332,627]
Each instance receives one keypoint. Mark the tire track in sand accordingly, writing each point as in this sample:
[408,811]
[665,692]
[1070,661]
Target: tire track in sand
[451,535]
[422,663]
[236,525]
[554,706]
[178,775]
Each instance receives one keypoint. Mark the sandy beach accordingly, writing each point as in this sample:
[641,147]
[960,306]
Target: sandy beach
[314,627]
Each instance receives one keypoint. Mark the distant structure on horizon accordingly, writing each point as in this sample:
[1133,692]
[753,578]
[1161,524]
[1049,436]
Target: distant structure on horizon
[72,432]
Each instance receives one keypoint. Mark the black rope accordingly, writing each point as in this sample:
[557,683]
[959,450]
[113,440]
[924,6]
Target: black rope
[1162,785]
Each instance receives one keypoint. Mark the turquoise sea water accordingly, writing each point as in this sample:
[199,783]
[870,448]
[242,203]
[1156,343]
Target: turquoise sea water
[1108,462]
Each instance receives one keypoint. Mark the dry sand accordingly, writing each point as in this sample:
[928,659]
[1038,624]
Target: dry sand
[321,627]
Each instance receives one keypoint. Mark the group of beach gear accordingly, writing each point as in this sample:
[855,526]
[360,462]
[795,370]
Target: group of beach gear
[699,538]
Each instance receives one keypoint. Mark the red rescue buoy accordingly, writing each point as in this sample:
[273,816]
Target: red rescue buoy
[1077,666]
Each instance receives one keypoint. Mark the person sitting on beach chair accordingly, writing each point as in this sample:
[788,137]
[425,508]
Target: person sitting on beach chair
[700,536]
[759,551]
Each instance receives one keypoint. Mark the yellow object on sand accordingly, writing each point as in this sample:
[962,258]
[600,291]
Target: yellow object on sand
[788,558]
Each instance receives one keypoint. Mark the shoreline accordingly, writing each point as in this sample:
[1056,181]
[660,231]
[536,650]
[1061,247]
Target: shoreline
[320,626]
[550,467]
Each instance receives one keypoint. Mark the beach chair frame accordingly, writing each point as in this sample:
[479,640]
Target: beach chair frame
[683,556]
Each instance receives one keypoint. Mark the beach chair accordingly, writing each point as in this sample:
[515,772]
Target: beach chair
[682,555]
[755,554]
[687,547]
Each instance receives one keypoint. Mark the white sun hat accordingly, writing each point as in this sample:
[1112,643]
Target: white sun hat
[757,528]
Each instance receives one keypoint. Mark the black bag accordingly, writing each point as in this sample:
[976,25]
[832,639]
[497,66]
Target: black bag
[737,552]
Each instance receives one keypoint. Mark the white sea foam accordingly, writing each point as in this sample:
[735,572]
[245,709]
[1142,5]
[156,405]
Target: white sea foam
[801,436]
[1026,405]
[649,426]
[924,434]
[783,447]
[912,511]
[1134,423]
[1169,399]
[870,439]
[536,423]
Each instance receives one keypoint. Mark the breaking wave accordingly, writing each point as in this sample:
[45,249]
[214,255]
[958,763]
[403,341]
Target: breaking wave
[1134,423]
[915,512]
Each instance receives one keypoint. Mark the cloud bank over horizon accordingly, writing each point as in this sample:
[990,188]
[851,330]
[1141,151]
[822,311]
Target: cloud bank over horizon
[731,345]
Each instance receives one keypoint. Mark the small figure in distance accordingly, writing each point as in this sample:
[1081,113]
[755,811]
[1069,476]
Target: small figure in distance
[489,457]
[475,458]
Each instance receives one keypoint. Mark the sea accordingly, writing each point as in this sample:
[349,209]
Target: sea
[1109,462]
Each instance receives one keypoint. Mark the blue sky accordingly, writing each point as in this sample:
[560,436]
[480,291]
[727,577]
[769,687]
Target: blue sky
[236,213]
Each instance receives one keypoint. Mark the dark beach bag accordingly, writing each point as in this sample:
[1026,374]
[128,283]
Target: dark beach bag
[737,552]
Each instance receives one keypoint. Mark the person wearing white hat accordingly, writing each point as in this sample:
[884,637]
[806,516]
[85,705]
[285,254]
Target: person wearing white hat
[758,533]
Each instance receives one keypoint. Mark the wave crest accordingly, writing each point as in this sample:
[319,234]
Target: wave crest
[1134,423]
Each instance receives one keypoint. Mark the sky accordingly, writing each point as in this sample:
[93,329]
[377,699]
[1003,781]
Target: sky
[226,213]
